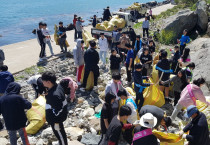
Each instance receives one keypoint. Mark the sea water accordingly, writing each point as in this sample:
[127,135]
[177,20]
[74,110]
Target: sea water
[19,17]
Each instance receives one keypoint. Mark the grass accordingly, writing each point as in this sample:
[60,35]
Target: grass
[32,70]
[208,1]
[138,25]
[166,37]
[17,78]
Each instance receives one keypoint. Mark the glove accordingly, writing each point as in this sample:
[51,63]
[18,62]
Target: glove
[181,133]
[136,123]
[184,136]
[117,55]
[56,127]
[48,106]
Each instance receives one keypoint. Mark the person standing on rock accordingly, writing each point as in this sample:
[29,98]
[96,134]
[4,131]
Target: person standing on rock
[106,115]
[12,107]
[47,39]
[2,57]
[106,15]
[37,84]
[40,38]
[94,21]
[103,46]
[145,27]
[5,78]
[74,23]
[62,37]
[79,27]
[79,61]
[183,41]
[91,58]
[56,106]
[197,128]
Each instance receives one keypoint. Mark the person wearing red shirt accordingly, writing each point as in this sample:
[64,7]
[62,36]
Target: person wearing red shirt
[74,22]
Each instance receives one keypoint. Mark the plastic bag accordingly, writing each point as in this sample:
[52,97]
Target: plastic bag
[90,80]
[36,115]
[155,77]
[131,91]
[166,137]
[87,37]
[153,96]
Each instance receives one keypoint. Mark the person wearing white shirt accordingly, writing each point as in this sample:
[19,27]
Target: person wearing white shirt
[47,39]
[145,27]
[103,45]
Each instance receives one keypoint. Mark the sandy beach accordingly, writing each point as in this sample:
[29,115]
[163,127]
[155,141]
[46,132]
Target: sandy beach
[26,54]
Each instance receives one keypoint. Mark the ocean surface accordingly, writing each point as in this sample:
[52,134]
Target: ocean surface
[19,17]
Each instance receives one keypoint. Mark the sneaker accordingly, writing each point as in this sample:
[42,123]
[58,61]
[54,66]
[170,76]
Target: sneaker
[44,57]
[40,59]
[78,83]
[82,89]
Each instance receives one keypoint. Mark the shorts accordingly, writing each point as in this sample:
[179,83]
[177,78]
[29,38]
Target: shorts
[166,85]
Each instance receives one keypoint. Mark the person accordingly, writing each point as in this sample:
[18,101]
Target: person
[175,57]
[129,62]
[143,133]
[119,35]
[139,86]
[62,37]
[91,58]
[158,57]
[114,36]
[47,39]
[79,61]
[12,107]
[106,15]
[183,41]
[197,128]
[163,67]
[151,47]
[185,58]
[124,39]
[106,115]
[145,27]
[74,23]
[138,45]
[189,95]
[79,27]
[115,127]
[188,71]
[2,57]
[130,103]
[103,46]
[179,83]
[151,39]
[150,13]
[146,61]
[5,78]
[56,106]
[157,112]
[37,84]
[40,39]
[115,61]
[94,21]
[132,36]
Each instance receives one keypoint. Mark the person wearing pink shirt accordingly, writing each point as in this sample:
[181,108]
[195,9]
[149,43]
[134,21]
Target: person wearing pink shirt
[189,95]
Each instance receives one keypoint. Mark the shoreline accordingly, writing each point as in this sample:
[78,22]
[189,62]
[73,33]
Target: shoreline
[25,54]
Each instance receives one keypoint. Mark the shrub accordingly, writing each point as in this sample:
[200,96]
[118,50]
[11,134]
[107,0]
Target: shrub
[138,25]
[193,8]
[166,37]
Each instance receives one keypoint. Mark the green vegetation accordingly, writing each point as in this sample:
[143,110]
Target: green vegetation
[166,37]
[208,1]
[32,70]
[138,25]
[193,8]
[17,78]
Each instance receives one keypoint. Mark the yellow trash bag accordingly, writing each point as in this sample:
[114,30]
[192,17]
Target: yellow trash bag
[155,77]
[36,115]
[137,60]
[56,37]
[90,80]
[153,96]
[131,91]
[87,37]
[168,138]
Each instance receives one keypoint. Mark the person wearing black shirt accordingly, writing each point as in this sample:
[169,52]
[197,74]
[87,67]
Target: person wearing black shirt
[139,86]
[132,36]
[106,14]
[175,59]
[62,37]
[106,114]
[91,58]
[56,106]
[94,21]
[146,60]
[151,47]
[40,38]
[115,61]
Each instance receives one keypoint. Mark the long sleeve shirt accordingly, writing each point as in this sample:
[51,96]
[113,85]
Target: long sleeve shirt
[103,44]
[145,24]
[184,39]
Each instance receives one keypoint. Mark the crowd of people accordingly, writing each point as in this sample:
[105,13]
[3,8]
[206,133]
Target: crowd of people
[122,113]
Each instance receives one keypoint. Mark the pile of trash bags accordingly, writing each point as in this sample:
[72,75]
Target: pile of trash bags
[135,6]
[109,25]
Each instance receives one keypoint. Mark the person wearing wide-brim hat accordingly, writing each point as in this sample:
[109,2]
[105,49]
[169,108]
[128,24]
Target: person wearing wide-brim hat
[198,127]
[143,133]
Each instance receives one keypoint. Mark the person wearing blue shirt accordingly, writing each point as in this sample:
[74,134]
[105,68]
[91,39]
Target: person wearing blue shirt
[138,44]
[183,41]
[129,62]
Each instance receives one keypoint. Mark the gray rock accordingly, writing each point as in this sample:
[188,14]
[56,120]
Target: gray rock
[98,108]
[74,133]
[41,142]
[88,112]
[48,133]
[208,29]
[95,123]
[4,141]
[32,140]
[202,16]
[90,139]
[184,19]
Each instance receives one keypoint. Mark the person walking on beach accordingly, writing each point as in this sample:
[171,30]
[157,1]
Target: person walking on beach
[47,39]
[103,45]
[62,37]
[145,27]
[40,38]
[2,57]
[12,107]
[183,41]
[74,23]
[106,14]
[79,27]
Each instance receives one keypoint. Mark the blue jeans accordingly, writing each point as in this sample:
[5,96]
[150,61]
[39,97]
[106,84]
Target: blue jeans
[50,46]
[13,136]
[102,55]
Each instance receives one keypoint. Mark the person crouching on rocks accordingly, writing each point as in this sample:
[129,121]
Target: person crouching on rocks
[56,106]
[78,52]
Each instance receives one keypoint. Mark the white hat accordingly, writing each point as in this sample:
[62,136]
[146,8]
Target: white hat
[148,120]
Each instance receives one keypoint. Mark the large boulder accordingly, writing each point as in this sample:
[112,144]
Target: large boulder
[208,29]
[4,141]
[185,19]
[90,139]
[200,52]
[74,133]
[201,11]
